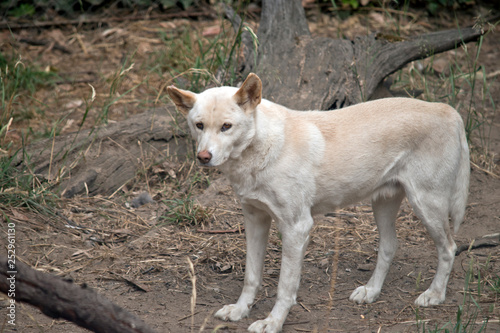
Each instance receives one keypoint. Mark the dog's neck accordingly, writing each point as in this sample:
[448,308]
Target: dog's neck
[263,149]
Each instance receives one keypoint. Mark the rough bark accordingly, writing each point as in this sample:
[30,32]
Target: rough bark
[306,73]
[107,157]
[62,299]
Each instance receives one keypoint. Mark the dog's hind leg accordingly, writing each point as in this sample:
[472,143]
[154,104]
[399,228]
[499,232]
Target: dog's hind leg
[432,208]
[385,210]
[257,224]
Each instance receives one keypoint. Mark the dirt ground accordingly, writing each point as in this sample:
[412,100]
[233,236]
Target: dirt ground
[139,260]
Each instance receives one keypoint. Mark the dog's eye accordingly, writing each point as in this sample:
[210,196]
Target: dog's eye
[225,127]
[199,126]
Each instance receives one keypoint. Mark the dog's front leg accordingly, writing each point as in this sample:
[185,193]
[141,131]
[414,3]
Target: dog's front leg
[295,238]
[257,225]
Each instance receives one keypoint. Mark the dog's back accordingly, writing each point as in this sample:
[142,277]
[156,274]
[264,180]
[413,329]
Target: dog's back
[363,150]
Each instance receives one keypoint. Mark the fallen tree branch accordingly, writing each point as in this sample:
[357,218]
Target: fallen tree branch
[486,241]
[62,299]
[115,18]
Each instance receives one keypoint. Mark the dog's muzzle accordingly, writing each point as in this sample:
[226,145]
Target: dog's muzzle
[204,156]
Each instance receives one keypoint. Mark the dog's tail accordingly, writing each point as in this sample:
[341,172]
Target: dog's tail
[461,187]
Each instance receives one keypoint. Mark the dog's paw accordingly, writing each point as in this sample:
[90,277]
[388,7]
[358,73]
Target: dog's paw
[232,312]
[268,325]
[429,297]
[364,294]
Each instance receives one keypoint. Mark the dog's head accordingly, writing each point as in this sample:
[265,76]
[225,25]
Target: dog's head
[222,120]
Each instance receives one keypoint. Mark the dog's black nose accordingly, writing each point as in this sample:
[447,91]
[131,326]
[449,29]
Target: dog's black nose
[204,156]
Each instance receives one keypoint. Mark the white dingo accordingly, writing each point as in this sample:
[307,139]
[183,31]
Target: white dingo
[288,165]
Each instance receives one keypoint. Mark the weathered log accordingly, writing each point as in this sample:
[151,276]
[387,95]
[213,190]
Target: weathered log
[103,159]
[307,73]
[62,299]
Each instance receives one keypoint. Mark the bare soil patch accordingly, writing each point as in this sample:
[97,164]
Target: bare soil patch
[138,257]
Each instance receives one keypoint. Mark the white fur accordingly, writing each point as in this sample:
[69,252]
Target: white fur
[288,165]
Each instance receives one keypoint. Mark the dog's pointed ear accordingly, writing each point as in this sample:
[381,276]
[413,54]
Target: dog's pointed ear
[250,93]
[184,100]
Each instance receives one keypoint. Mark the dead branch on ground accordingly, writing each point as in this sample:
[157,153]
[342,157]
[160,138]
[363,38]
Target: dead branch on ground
[58,298]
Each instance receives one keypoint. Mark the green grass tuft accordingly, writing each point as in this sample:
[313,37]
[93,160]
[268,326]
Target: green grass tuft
[18,77]
[19,187]
[184,211]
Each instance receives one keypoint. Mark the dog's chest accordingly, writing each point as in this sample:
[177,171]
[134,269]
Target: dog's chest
[274,195]
[248,189]
[254,192]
